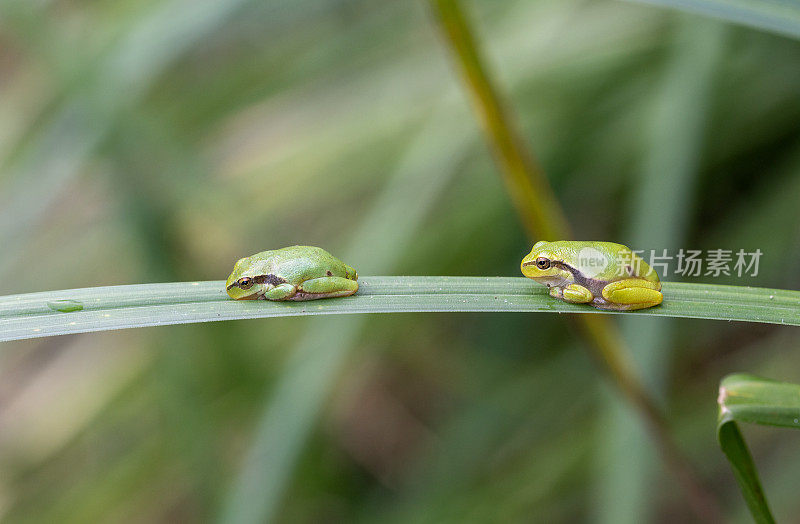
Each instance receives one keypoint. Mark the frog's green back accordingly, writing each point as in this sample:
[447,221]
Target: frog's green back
[297,264]
[617,261]
[631,263]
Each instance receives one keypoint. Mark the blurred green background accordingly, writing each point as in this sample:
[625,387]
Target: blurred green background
[160,140]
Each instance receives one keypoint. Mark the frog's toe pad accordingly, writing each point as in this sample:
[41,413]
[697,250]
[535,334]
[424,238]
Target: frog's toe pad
[577,294]
[280,292]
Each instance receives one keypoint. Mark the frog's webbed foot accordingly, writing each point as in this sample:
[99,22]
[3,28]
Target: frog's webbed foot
[576,294]
[630,294]
[325,287]
[280,292]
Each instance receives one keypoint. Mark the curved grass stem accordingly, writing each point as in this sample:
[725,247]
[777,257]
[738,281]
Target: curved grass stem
[542,217]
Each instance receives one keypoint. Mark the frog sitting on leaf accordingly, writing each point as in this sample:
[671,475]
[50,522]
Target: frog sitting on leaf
[603,274]
[291,273]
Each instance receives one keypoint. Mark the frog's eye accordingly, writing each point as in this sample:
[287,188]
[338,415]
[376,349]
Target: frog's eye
[542,263]
[245,283]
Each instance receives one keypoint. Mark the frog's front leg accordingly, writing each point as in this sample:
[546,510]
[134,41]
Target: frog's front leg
[632,293]
[283,291]
[575,293]
[325,287]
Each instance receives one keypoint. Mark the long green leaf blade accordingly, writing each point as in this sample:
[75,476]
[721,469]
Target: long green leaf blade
[294,404]
[746,398]
[117,307]
[734,447]
[676,127]
[777,16]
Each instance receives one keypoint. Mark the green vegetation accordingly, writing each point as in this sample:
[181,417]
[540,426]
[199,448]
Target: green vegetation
[115,307]
[746,398]
[159,141]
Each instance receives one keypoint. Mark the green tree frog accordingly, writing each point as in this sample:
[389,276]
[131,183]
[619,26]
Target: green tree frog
[603,274]
[291,273]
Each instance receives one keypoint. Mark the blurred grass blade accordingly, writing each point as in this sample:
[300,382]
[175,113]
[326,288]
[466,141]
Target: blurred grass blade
[455,461]
[292,407]
[526,183]
[118,307]
[543,218]
[746,398]
[116,82]
[782,17]
[676,130]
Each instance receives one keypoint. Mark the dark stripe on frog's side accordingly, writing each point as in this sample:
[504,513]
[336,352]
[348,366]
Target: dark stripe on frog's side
[593,285]
[270,279]
[263,279]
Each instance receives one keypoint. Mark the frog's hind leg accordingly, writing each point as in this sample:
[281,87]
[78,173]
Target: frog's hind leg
[281,292]
[630,294]
[576,294]
[325,287]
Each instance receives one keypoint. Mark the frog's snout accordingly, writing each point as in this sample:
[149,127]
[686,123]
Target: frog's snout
[525,266]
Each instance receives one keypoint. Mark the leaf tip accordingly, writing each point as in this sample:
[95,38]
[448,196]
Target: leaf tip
[723,396]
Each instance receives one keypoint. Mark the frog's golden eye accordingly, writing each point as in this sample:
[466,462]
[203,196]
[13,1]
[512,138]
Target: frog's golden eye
[542,263]
[245,283]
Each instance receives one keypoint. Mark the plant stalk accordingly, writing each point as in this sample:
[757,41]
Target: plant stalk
[543,218]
